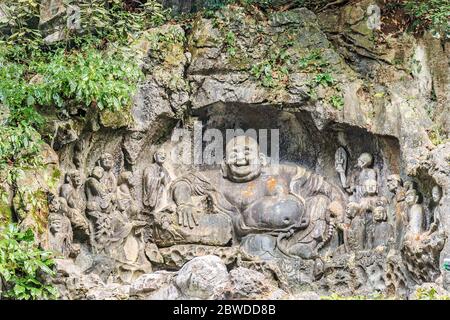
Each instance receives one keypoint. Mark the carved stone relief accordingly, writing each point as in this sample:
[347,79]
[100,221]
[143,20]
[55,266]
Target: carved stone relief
[360,227]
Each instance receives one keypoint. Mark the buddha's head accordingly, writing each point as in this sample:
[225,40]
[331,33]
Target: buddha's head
[243,161]
[370,187]
[412,197]
[106,161]
[352,210]
[379,214]
[365,160]
[436,194]
[160,157]
[75,178]
[394,182]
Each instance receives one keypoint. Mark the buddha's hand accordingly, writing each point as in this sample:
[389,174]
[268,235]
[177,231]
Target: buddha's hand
[186,217]
[336,209]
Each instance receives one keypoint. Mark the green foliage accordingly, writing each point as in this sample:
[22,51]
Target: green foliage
[19,149]
[430,14]
[162,42]
[273,71]
[313,62]
[23,265]
[110,20]
[324,79]
[429,294]
[230,42]
[89,77]
[337,101]
[21,26]
[374,296]
[437,135]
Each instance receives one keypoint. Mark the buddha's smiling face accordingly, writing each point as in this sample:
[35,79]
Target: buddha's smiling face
[243,159]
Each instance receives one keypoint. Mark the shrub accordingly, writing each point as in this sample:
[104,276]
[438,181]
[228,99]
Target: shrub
[23,265]
[430,14]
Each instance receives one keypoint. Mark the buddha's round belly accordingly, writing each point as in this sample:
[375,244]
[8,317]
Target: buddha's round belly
[274,212]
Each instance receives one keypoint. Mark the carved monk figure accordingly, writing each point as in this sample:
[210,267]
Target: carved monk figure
[383,233]
[355,229]
[366,172]
[108,179]
[436,195]
[60,230]
[416,216]
[156,178]
[71,192]
[97,208]
[285,207]
[125,199]
[397,208]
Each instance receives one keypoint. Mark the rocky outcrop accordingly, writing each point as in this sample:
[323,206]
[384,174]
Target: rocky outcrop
[360,158]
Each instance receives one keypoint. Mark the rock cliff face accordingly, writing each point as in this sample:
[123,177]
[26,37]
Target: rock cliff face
[358,202]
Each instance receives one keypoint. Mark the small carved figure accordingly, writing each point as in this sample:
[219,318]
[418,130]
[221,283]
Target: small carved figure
[98,199]
[341,160]
[370,198]
[71,192]
[355,229]
[354,185]
[60,235]
[397,208]
[365,163]
[436,194]
[383,233]
[156,179]
[125,199]
[416,216]
[108,179]
[98,205]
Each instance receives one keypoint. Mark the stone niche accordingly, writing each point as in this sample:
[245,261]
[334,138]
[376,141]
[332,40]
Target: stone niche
[302,142]
[336,214]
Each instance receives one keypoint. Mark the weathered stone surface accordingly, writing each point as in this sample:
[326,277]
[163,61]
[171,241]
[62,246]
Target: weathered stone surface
[251,284]
[203,278]
[149,283]
[176,256]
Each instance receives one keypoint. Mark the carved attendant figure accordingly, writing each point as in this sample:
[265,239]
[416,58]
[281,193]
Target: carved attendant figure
[98,209]
[382,232]
[416,217]
[71,192]
[108,179]
[60,235]
[355,229]
[156,178]
[397,208]
[436,194]
[356,186]
[341,160]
